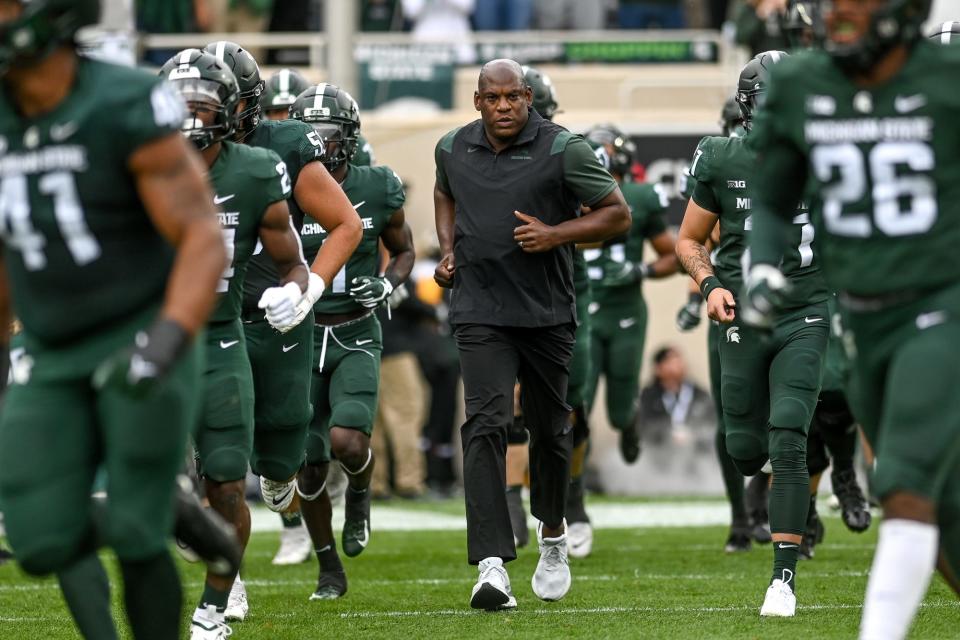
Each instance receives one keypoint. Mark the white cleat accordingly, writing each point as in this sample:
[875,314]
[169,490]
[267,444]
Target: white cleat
[295,546]
[492,591]
[278,495]
[580,539]
[780,602]
[207,624]
[551,580]
[237,605]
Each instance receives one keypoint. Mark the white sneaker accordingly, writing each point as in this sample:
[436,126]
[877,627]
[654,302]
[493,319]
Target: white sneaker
[237,605]
[551,580]
[277,495]
[295,546]
[492,591]
[580,539]
[207,624]
[780,601]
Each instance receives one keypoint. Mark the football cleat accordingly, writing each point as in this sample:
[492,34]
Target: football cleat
[579,539]
[356,525]
[295,546]
[739,539]
[756,501]
[202,533]
[330,586]
[518,518]
[854,508]
[780,601]
[492,591]
[5,555]
[630,444]
[278,496]
[551,580]
[237,605]
[208,624]
[814,533]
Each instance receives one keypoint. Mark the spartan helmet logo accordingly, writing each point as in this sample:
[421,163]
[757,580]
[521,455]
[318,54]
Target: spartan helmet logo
[733,334]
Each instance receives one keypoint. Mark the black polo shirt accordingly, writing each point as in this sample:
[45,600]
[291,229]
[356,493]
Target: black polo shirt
[547,173]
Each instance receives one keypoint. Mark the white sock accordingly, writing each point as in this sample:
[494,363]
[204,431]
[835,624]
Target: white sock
[902,567]
[209,613]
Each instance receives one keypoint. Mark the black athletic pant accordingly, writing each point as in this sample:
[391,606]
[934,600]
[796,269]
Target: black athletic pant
[441,368]
[492,359]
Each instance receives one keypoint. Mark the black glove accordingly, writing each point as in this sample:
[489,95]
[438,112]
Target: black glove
[139,368]
[689,315]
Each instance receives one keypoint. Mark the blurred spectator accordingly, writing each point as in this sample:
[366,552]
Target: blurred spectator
[171,16]
[443,21]
[401,409]
[759,25]
[718,13]
[672,407]
[570,14]
[241,16]
[381,15]
[293,15]
[651,14]
[503,15]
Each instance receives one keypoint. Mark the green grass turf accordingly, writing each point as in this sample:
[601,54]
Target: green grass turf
[646,583]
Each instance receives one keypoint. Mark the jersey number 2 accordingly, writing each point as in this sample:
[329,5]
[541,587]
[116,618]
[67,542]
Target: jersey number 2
[20,233]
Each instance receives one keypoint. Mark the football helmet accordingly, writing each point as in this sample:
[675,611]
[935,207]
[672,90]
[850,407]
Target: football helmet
[895,22]
[282,89]
[753,82]
[544,93]
[245,68]
[947,33]
[334,115]
[41,27]
[204,83]
[619,147]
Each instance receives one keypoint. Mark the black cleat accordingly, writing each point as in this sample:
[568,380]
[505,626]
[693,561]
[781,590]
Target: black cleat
[518,517]
[5,555]
[330,586]
[356,525]
[739,539]
[205,532]
[756,503]
[815,532]
[854,508]
[630,444]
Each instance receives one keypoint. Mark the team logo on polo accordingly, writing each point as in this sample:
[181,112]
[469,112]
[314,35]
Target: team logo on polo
[733,334]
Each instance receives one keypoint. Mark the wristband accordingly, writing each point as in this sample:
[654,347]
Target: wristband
[645,270]
[708,284]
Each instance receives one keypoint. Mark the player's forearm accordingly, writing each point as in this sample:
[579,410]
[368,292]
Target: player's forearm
[400,266]
[444,215]
[694,258]
[600,224]
[336,250]
[199,263]
[664,266]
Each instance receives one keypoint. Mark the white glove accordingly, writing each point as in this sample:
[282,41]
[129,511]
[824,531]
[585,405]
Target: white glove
[315,289]
[280,304]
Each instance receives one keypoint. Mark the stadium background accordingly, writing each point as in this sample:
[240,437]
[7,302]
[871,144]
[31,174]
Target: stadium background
[664,88]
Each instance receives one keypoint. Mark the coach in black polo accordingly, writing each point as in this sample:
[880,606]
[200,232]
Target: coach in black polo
[508,202]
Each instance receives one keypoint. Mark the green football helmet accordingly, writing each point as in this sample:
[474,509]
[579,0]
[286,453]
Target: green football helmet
[245,68]
[334,115]
[282,89]
[802,23]
[41,27]
[622,149]
[895,22]
[208,84]
[753,82]
[947,33]
[544,93]
[731,116]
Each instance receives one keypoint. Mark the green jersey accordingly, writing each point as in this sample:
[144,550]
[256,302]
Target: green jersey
[247,181]
[297,144]
[647,204]
[881,167]
[364,155]
[376,193]
[724,170]
[80,250]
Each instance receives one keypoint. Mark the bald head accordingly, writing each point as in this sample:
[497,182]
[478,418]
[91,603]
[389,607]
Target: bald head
[501,72]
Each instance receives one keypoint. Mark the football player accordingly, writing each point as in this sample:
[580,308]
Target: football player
[111,256]
[252,187]
[867,127]
[618,312]
[347,336]
[281,355]
[947,33]
[744,525]
[280,91]
[770,378]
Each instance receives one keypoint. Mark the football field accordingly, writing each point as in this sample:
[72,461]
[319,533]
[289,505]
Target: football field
[665,581]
